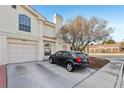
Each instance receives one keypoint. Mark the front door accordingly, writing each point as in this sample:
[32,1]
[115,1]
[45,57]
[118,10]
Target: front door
[47,51]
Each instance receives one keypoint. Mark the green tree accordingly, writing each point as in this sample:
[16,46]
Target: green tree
[122,44]
[110,41]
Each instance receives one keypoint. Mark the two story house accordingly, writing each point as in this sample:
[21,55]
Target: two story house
[26,35]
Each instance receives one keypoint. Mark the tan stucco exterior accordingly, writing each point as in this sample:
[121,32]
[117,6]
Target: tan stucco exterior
[42,31]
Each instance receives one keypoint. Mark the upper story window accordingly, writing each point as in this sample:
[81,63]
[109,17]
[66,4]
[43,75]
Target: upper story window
[14,6]
[24,23]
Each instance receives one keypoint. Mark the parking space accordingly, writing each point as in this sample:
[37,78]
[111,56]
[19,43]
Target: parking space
[44,74]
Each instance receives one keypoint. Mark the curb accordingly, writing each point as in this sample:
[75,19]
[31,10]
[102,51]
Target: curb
[120,77]
[104,82]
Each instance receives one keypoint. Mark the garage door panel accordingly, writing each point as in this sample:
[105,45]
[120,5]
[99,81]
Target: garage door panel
[21,53]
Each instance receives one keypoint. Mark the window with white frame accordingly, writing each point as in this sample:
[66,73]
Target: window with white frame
[24,23]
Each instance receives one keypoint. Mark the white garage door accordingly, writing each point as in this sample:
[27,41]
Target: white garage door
[21,53]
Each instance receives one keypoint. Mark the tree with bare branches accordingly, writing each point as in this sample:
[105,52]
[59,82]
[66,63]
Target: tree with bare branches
[79,32]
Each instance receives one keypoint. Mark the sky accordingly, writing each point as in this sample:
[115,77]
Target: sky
[114,14]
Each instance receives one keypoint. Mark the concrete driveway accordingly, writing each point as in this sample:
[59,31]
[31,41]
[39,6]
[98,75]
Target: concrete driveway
[43,74]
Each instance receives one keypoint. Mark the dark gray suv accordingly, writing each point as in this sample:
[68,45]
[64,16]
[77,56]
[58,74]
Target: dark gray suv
[70,59]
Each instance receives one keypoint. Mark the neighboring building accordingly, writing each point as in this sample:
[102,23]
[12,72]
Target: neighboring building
[25,35]
[105,48]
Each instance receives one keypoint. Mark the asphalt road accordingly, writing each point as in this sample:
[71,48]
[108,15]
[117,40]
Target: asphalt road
[43,74]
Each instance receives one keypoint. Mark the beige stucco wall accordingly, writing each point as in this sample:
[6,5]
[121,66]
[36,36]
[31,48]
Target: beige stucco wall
[58,20]
[3,49]
[40,27]
[34,21]
[40,49]
[9,20]
[9,29]
[49,31]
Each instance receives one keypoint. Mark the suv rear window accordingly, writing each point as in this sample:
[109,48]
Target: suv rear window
[78,54]
[81,55]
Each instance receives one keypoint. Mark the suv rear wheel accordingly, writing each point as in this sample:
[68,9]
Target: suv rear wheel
[70,67]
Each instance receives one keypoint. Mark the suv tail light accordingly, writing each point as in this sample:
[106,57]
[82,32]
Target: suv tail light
[78,59]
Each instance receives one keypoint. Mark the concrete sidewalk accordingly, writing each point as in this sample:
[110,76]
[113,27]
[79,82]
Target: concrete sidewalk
[106,77]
